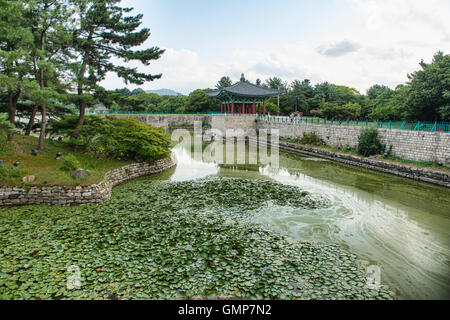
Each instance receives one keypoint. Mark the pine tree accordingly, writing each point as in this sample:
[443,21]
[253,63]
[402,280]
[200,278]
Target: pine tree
[47,20]
[104,32]
[15,44]
[223,83]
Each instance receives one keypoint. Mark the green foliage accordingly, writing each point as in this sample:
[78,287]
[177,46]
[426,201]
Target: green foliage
[350,111]
[7,173]
[6,129]
[46,168]
[276,84]
[390,104]
[272,108]
[347,149]
[376,90]
[172,104]
[368,142]
[116,138]
[444,112]
[198,101]
[224,82]
[312,139]
[429,89]
[70,163]
[387,151]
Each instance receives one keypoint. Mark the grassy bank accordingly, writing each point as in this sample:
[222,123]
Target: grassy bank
[45,167]
[353,151]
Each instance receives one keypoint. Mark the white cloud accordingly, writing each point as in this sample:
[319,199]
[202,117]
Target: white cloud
[181,71]
[338,48]
[380,41]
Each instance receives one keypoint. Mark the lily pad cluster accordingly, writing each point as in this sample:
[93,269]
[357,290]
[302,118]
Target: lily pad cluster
[173,240]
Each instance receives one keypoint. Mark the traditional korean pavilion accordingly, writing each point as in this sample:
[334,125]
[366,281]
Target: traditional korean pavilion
[243,97]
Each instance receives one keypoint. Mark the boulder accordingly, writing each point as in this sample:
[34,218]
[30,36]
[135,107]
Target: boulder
[28,179]
[79,174]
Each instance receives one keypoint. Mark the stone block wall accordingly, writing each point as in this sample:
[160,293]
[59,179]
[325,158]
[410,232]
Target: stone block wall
[225,122]
[163,121]
[76,195]
[411,145]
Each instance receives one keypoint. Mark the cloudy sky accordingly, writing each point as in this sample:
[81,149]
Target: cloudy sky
[356,43]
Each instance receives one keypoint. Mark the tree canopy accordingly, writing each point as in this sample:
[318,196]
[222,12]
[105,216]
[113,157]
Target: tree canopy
[54,54]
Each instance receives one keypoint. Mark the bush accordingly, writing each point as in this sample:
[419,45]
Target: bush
[6,129]
[368,143]
[311,139]
[347,148]
[118,138]
[6,173]
[70,163]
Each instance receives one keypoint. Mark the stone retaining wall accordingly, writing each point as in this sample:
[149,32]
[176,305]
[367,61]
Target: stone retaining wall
[76,195]
[429,175]
[164,121]
[226,122]
[410,145]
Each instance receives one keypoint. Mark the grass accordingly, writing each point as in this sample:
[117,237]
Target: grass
[45,167]
[349,150]
[428,164]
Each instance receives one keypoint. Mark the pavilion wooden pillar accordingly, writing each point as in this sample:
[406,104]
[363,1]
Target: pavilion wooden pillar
[232,107]
[243,108]
[264,108]
[221,108]
[254,107]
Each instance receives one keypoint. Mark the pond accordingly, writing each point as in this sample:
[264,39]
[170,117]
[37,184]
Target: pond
[306,229]
[400,225]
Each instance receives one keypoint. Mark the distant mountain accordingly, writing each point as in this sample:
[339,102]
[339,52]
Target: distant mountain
[164,92]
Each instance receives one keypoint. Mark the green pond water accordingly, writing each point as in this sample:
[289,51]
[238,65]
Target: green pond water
[399,225]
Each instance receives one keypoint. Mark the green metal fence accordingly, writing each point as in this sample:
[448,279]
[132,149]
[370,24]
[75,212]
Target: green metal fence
[398,125]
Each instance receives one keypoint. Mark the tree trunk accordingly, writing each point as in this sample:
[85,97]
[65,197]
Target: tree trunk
[43,124]
[82,103]
[12,107]
[80,121]
[43,107]
[31,122]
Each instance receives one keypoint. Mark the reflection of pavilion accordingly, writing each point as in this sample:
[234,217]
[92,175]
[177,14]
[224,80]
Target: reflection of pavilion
[243,97]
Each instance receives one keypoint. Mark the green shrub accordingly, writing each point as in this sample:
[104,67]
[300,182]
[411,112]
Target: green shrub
[311,139]
[368,143]
[387,151]
[347,148]
[6,173]
[117,138]
[6,129]
[70,163]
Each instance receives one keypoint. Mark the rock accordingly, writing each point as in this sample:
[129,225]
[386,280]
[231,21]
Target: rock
[16,164]
[28,179]
[79,174]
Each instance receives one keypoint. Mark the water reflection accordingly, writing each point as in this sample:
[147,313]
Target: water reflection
[398,224]
[413,259]
[188,168]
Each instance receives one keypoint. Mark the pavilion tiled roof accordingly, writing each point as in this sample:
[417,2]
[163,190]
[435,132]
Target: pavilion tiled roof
[245,89]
